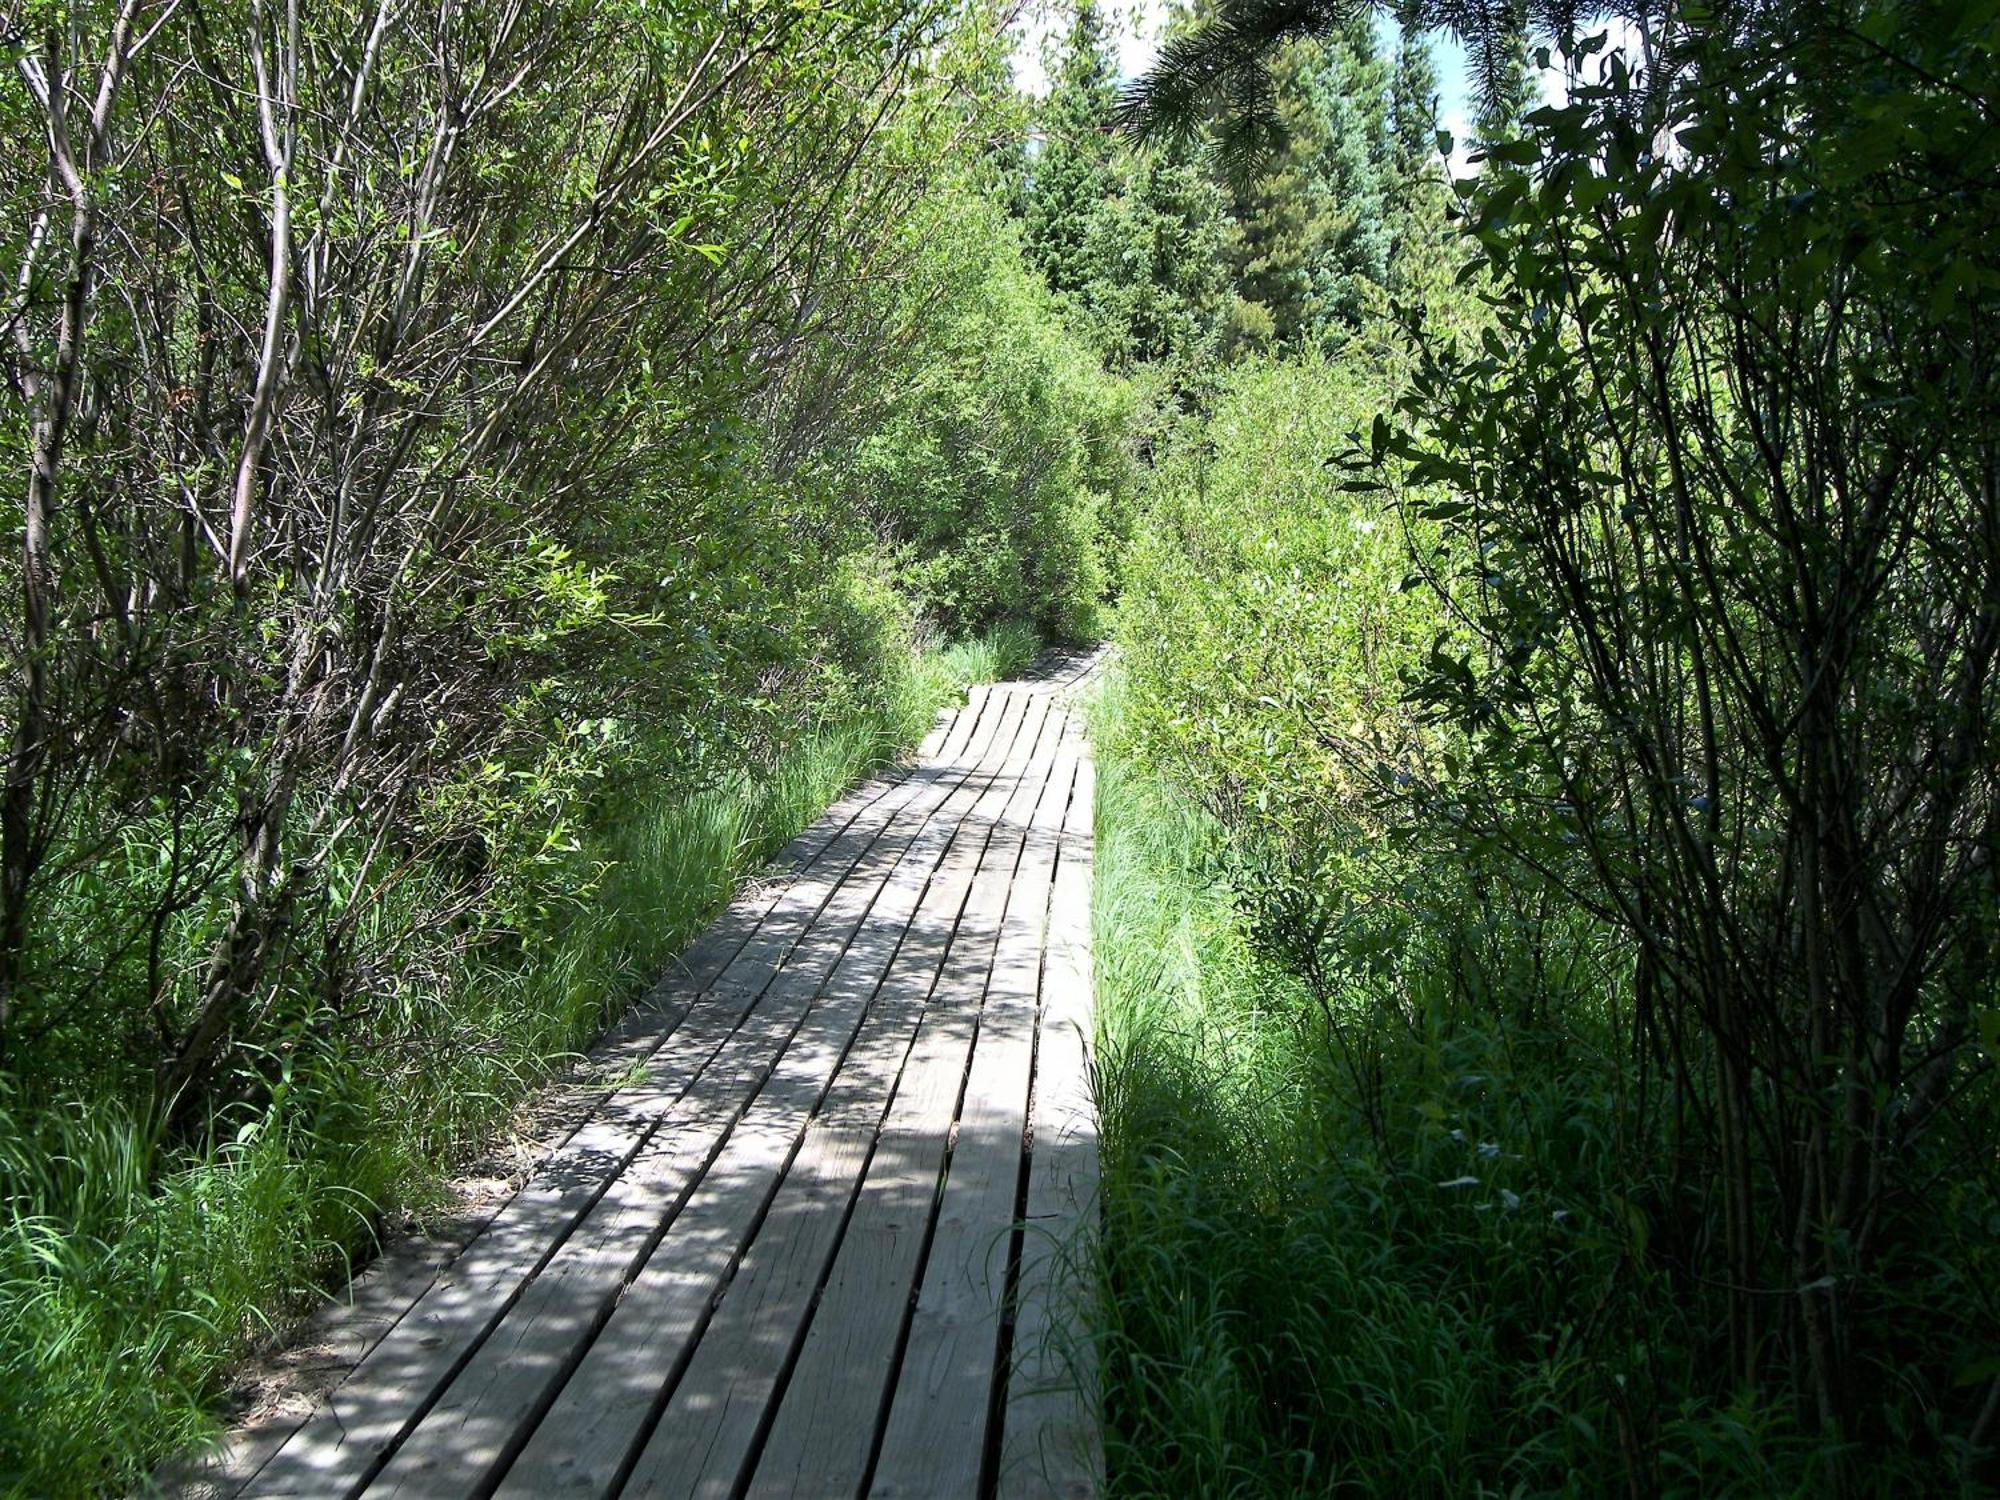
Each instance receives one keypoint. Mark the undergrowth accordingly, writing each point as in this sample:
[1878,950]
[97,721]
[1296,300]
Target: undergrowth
[133,1273]
[1293,1303]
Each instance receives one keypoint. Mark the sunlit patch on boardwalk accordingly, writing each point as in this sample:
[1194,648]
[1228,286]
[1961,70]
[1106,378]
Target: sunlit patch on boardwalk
[822,1246]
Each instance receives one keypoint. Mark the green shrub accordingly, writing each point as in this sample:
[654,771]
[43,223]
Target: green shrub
[1001,470]
[1266,631]
[1444,1291]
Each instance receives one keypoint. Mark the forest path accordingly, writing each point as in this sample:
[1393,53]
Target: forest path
[819,1243]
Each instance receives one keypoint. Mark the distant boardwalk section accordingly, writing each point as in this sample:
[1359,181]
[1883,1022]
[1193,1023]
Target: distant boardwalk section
[830,1239]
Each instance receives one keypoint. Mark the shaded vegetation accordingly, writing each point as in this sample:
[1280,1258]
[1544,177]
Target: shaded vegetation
[1583,1078]
[1432,1296]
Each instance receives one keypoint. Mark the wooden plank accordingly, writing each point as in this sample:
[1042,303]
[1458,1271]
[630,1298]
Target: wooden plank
[646,1025]
[932,745]
[337,1449]
[701,1441]
[944,1385]
[1050,1447]
[708,1431]
[1063,670]
[823,1434]
[954,743]
[824,1429]
[586,1440]
[388,1287]
[482,1417]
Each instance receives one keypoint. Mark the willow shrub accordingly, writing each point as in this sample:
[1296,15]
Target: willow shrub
[1267,628]
[1303,1293]
[1717,489]
[1000,477]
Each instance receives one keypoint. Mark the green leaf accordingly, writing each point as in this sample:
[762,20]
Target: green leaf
[1986,1024]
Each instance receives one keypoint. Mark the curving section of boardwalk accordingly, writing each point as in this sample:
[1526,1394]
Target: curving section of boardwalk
[823,1243]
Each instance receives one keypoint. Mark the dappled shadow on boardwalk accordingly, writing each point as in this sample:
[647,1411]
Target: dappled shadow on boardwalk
[790,1260]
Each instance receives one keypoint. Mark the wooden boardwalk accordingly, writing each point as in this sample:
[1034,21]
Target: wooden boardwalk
[821,1244]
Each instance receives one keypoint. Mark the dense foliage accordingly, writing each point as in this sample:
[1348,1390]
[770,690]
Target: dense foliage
[1732,689]
[999,473]
[1577,976]
[1129,240]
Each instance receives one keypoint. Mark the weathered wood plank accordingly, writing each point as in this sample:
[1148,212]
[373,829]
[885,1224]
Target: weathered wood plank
[337,1449]
[825,1425]
[708,1431]
[385,1291]
[1050,1448]
[954,742]
[482,1417]
[823,1434]
[702,1439]
[945,1383]
[590,1434]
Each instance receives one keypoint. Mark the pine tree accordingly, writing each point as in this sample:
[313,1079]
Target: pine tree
[1351,92]
[1158,283]
[1130,239]
[1513,90]
[1215,76]
[1312,225]
[1070,176]
[1413,94]
[1278,217]
[1416,181]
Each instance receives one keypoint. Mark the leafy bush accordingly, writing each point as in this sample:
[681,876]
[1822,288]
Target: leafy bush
[1002,461]
[1266,632]
[1714,486]
[1446,1289]
[1636,846]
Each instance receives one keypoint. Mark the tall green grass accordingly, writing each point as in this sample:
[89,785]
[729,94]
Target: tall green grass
[132,1276]
[1291,1305]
